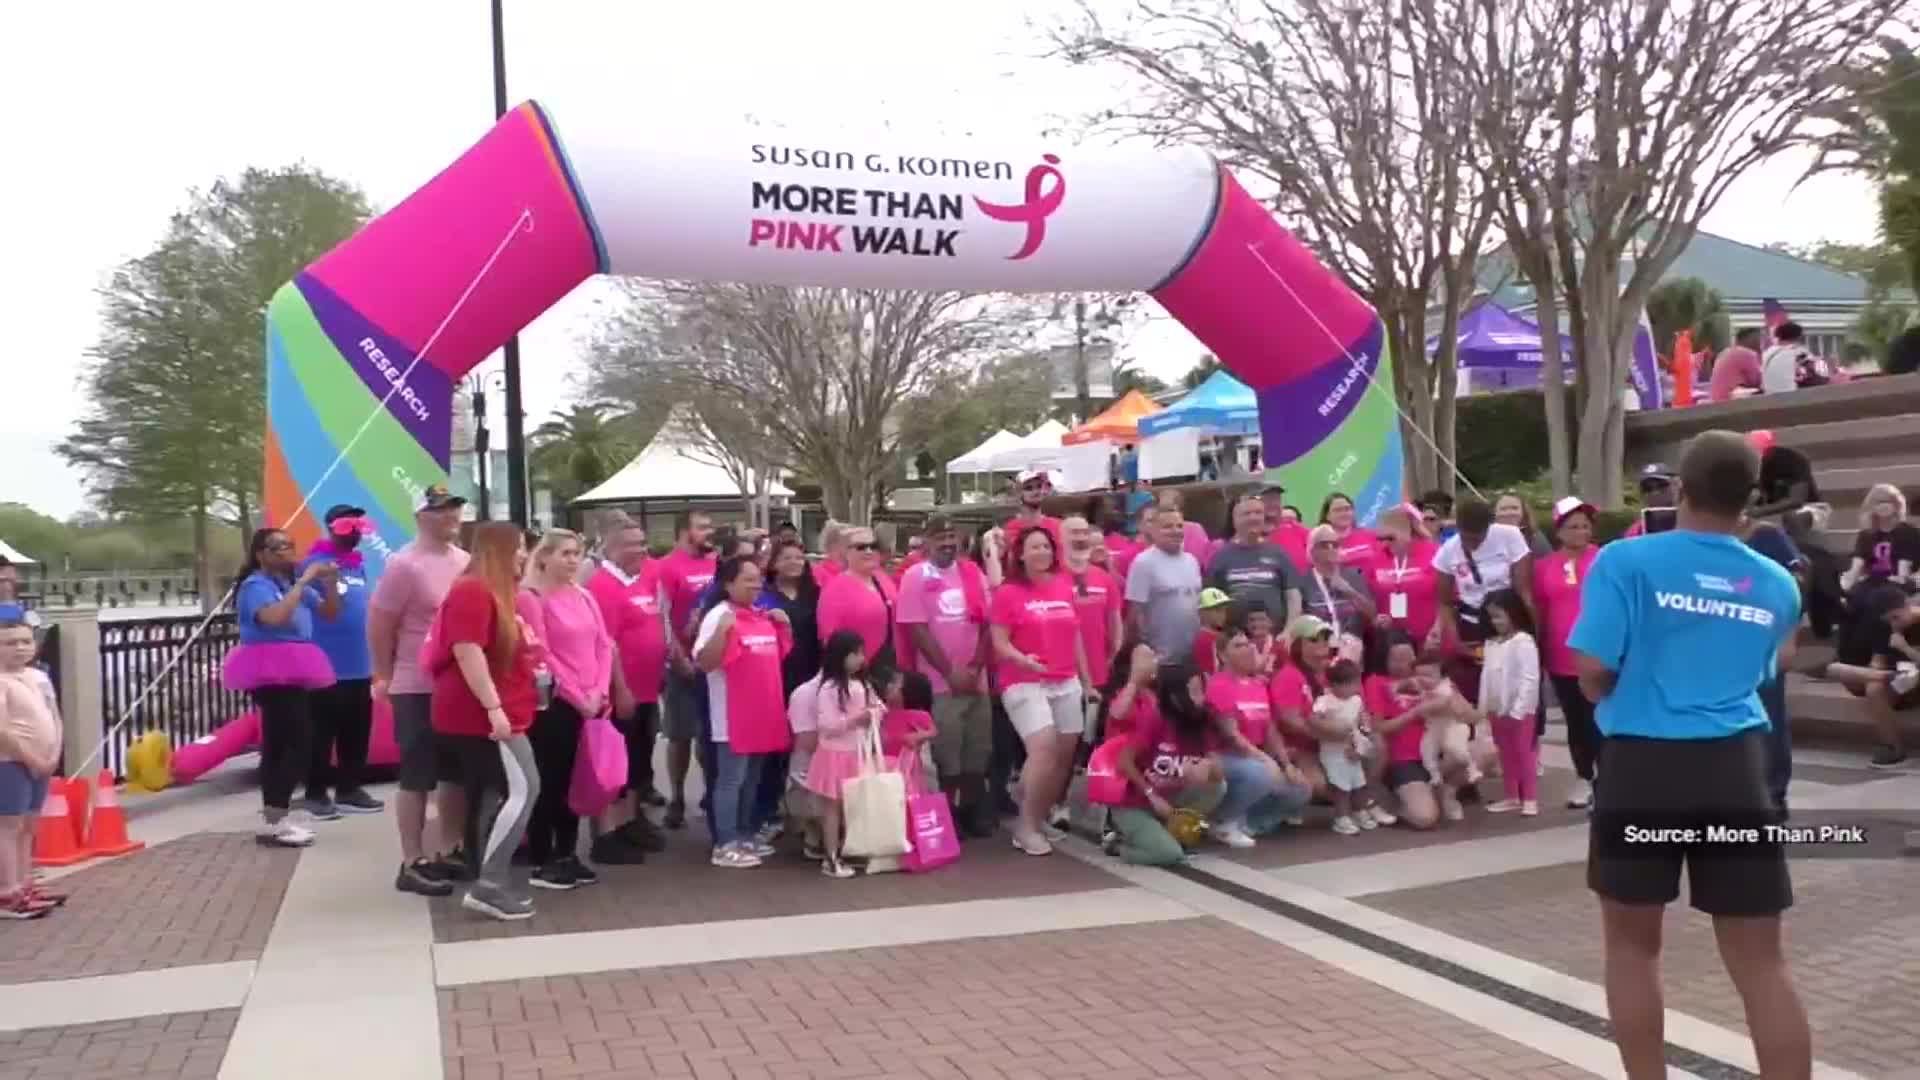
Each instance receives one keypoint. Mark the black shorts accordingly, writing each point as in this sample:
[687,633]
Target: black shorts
[425,760]
[1401,773]
[1657,806]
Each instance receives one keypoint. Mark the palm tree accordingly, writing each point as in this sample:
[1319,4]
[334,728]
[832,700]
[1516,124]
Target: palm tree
[1201,372]
[579,447]
[1688,304]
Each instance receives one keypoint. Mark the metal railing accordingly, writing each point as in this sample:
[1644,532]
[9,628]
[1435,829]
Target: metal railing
[188,704]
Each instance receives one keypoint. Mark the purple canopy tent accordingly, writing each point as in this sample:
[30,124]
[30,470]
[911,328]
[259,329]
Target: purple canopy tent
[1498,350]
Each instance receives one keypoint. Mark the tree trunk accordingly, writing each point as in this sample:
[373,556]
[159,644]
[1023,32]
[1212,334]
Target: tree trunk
[245,512]
[1417,467]
[1553,388]
[1605,368]
[202,561]
[1082,391]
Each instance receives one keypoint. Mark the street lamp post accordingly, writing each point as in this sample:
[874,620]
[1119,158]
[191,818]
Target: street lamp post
[516,428]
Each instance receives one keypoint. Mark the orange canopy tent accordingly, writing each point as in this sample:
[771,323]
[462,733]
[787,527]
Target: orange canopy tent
[1119,423]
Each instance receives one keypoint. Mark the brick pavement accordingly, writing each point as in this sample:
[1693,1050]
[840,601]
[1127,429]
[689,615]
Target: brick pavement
[203,899]
[1197,999]
[180,1046]
[679,887]
[1853,937]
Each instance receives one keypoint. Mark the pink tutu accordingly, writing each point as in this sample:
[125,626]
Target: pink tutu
[831,768]
[252,666]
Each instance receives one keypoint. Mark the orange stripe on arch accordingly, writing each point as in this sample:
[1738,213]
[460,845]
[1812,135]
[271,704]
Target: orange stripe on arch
[283,498]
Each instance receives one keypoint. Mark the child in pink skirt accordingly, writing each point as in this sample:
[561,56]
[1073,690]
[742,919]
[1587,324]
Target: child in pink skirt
[846,707]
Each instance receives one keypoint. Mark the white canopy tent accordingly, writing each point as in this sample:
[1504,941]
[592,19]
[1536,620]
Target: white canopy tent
[1040,447]
[980,458]
[12,555]
[670,468]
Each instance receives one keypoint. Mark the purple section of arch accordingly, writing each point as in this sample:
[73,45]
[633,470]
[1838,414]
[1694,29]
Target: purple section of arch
[1301,400]
[352,333]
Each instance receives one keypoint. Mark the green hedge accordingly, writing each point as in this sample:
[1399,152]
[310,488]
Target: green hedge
[1500,440]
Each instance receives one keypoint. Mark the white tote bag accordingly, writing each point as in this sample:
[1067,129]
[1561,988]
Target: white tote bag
[875,804]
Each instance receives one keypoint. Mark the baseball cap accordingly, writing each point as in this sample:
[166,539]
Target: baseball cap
[1572,504]
[1656,473]
[1760,440]
[438,497]
[341,510]
[1308,627]
[1272,487]
[1213,598]
[1028,475]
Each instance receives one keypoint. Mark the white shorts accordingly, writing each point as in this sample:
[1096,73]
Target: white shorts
[1035,707]
[1343,773]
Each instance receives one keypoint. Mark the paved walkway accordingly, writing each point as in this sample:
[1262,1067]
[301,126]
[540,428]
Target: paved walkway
[1468,953]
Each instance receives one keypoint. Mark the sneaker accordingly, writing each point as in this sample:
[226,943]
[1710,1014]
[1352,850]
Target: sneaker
[734,857]
[614,849]
[1110,842]
[813,852]
[834,868]
[1581,796]
[357,801]
[1345,827]
[321,809]
[1450,807]
[1529,808]
[1054,833]
[1058,818]
[1294,820]
[21,906]
[643,835]
[38,891]
[555,875]
[1905,678]
[771,831]
[1233,835]
[1503,806]
[1887,757]
[1381,816]
[653,799]
[453,866]
[676,816]
[417,877]
[1031,843]
[496,903]
[1364,819]
[285,834]
[582,873]
[760,848]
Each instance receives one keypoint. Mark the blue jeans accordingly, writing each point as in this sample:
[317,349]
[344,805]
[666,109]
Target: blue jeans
[734,793]
[1773,696]
[1254,799]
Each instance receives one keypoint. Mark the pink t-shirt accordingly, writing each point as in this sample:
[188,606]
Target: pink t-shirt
[1243,698]
[1097,602]
[1404,743]
[1557,581]
[1041,622]
[412,586]
[1289,691]
[900,723]
[1411,578]
[1163,756]
[685,577]
[1358,546]
[631,609]
[825,571]
[1737,367]
[1292,536]
[1197,543]
[937,599]
[1120,553]
[579,651]
[850,603]
[747,690]
[1144,711]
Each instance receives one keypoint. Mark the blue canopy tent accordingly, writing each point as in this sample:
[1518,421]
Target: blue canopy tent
[1223,405]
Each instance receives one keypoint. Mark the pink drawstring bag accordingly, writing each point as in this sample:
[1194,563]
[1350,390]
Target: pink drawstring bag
[600,767]
[932,841]
[1105,784]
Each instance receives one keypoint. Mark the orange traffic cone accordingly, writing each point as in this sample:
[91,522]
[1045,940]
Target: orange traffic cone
[108,835]
[77,803]
[53,843]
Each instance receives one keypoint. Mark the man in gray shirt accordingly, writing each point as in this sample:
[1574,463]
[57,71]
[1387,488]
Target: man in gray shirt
[1163,589]
[1253,571]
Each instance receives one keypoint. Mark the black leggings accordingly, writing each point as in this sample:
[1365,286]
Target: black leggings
[342,727]
[554,831]
[1583,735]
[285,719]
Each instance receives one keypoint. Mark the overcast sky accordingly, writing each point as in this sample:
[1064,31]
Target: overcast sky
[127,105]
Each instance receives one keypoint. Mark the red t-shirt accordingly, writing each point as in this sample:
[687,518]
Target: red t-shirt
[1413,579]
[1292,536]
[685,578]
[1144,711]
[1382,702]
[467,616]
[1357,547]
[1557,581]
[1120,553]
[1206,657]
[1289,691]
[631,610]
[898,724]
[748,685]
[1162,755]
[1041,622]
[1097,602]
[1243,698]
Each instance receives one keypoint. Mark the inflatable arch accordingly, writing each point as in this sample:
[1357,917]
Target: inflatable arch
[401,310]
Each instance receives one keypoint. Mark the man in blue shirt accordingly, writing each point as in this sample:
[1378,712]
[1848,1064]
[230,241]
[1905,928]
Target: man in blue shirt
[342,713]
[1677,630]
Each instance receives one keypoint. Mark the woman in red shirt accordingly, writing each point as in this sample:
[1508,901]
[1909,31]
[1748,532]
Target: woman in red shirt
[1174,765]
[1043,678]
[1293,691]
[1557,582]
[1264,788]
[1401,578]
[740,648]
[1357,544]
[1392,697]
[481,656]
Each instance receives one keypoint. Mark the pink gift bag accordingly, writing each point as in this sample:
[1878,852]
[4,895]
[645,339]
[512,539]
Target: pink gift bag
[1105,785]
[600,767]
[934,843]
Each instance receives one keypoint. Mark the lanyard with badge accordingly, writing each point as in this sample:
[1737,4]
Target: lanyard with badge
[1397,599]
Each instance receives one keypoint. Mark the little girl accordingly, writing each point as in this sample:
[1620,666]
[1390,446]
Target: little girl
[847,706]
[1510,696]
[904,735]
[1343,749]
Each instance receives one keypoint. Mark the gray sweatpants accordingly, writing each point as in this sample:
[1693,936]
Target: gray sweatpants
[504,806]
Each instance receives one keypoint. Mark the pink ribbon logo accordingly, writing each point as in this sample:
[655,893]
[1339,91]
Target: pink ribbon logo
[1042,201]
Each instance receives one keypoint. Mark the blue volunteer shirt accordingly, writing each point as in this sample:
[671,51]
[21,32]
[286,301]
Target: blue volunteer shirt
[344,637]
[1692,623]
[261,589]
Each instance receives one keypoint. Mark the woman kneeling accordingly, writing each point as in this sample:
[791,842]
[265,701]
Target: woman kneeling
[1173,769]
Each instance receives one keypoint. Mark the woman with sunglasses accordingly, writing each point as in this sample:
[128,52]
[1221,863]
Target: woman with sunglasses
[862,599]
[343,712]
[280,666]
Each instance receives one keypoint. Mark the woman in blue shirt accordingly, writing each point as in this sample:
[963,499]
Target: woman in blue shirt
[278,663]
